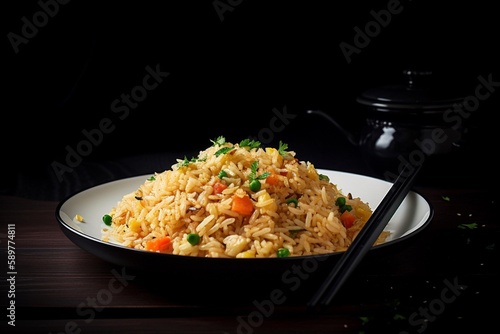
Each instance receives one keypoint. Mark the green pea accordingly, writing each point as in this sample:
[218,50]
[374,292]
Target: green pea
[283,252]
[107,219]
[255,185]
[340,201]
[222,174]
[193,238]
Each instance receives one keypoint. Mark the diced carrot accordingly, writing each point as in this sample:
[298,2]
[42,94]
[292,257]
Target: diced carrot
[242,205]
[219,187]
[159,244]
[272,179]
[347,219]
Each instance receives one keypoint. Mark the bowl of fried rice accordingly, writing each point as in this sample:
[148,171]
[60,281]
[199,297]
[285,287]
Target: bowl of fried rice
[238,200]
[236,214]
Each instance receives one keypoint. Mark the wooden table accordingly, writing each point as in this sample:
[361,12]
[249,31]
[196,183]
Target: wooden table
[445,277]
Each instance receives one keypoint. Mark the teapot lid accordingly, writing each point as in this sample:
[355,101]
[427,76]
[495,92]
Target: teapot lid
[420,93]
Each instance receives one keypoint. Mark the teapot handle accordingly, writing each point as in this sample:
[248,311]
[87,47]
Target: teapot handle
[350,137]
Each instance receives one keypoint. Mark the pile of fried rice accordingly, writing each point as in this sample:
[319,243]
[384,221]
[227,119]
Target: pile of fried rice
[238,201]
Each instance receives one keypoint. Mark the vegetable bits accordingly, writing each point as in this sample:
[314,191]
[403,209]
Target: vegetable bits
[237,200]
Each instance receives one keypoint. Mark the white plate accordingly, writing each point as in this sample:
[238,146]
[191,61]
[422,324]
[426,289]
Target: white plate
[414,213]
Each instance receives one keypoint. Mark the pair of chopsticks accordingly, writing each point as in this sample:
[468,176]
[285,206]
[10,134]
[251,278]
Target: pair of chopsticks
[365,239]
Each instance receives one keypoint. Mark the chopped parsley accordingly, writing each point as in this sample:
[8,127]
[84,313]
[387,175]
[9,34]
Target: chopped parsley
[250,144]
[324,177]
[219,141]
[293,233]
[470,226]
[490,246]
[283,148]
[186,161]
[254,179]
[246,143]
[223,150]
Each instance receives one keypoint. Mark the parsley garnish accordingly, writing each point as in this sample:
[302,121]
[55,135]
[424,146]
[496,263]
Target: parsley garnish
[283,149]
[223,150]
[219,141]
[324,177]
[250,143]
[186,161]
[253,179]
[253,173]
[470,226]
[293,233]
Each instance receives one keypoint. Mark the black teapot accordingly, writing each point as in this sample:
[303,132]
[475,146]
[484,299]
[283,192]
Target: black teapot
[412,122]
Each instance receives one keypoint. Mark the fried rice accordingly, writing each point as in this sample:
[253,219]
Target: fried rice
[238,201]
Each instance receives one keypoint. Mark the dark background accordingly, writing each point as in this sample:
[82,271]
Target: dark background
[225,78]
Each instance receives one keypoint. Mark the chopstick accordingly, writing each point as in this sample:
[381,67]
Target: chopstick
[365,239]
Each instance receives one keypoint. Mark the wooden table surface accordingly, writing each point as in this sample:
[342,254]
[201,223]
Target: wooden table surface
[445,277]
